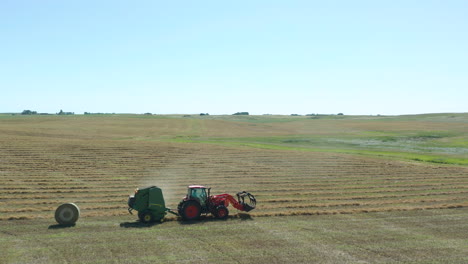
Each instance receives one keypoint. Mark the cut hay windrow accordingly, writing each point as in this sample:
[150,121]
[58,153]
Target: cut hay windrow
[46,162]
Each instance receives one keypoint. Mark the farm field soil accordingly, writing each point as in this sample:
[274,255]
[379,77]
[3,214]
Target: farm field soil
[97,161]
[99,176]
[425,236]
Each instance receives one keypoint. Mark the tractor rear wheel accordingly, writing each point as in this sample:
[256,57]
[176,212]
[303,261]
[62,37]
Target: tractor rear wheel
[190,210]
[146,217]
[221,212]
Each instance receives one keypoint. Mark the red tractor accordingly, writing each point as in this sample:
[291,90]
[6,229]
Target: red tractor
[199,201]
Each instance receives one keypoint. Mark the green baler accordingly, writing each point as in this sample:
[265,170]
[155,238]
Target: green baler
[149,202]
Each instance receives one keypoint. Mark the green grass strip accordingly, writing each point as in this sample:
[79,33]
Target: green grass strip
[384,154]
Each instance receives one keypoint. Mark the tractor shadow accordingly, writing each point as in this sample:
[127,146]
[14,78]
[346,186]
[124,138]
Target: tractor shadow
[210,218]
[203,219]
[200,221]
[244,217]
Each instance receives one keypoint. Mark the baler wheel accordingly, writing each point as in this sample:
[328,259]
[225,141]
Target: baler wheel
[147,217]
[222,212]
[140,215]
[191,210]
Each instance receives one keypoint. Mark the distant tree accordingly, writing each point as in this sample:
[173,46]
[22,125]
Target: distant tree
[241,113]
[29,112]
[340,114]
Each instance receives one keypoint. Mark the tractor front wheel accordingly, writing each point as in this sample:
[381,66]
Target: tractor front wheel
[190,210]
[221,212]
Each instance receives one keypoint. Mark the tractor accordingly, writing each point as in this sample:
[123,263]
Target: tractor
[199,201]
[149,202]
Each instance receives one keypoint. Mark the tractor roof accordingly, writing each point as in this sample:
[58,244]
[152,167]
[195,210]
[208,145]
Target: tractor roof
[197,187]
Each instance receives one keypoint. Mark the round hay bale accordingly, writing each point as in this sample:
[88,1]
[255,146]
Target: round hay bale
[67,214]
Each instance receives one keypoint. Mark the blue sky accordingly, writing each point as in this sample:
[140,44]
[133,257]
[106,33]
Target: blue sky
[222,57]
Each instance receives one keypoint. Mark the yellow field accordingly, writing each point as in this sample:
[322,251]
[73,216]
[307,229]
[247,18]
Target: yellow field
[97,161]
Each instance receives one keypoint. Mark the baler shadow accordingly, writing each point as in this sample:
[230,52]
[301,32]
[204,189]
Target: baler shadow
[138,224]
[200,221]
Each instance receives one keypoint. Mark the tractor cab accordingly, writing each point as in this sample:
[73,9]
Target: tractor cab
[199,193]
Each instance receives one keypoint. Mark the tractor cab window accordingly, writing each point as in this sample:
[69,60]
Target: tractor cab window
[199,194]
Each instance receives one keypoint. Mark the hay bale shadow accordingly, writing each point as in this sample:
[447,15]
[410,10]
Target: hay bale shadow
[59,226]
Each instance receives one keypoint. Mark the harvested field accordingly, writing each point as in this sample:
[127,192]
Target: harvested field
[97,161]
[329,189]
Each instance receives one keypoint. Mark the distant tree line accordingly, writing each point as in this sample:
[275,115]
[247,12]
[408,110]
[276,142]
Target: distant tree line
[30,112]
[61,112]
[88,113]
[340,114]
[65,113]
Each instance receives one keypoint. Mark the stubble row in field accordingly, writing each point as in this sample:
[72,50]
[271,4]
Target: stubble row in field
[97,163]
